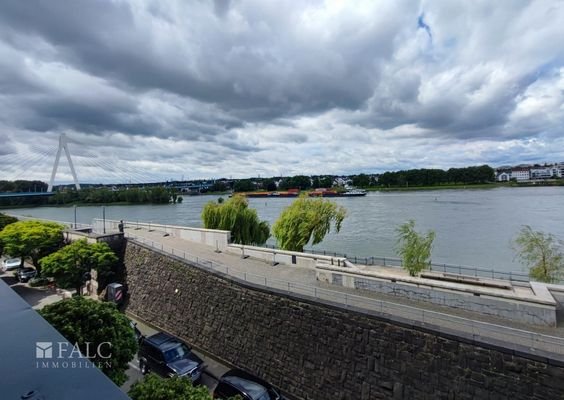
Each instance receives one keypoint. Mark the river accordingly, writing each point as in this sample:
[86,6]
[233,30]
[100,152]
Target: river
[474,227]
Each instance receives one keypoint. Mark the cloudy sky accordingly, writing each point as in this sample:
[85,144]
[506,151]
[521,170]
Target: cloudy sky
[198,89]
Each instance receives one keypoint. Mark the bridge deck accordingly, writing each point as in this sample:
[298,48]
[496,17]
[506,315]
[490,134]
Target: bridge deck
[26,194]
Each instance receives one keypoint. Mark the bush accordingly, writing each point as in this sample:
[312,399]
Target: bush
[39,281]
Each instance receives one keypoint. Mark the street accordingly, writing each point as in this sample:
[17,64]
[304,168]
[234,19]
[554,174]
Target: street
[39,297]
[210,374]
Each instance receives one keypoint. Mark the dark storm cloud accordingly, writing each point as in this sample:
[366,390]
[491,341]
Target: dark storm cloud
[241,73]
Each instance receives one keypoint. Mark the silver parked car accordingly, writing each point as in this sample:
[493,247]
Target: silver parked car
[11,264]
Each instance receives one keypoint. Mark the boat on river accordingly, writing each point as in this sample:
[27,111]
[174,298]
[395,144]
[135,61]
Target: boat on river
[321,192]
[334,193]
[354,193]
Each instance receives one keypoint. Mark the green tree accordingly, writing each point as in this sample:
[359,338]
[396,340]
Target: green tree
[361,180]
[269,185]
[218,186]
[306,220]
[6,220]
[159,195]
[296,182]
[33,239]
[244,185]
[414,248]
[152,387]
[326,181]
[69,264]
[234,215]
[541,253]
[91,325]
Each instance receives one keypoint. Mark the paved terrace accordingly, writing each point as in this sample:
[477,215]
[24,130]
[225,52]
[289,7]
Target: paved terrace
[532,340]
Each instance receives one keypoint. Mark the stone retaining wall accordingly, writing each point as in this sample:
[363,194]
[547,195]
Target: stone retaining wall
[317,351]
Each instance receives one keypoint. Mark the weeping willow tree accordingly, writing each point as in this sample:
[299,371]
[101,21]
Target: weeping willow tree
[307,220]
[542,253]
[414,248]
[234,215]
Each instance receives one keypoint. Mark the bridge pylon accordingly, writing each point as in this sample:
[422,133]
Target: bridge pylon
[63,145]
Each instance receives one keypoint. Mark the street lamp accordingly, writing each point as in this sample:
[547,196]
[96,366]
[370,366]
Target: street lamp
[104,218]
[74,216]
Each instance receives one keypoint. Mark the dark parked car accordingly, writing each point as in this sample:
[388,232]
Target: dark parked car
[167,356]
[25,274]
[249,387]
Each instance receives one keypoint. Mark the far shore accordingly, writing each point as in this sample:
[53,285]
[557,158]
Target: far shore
[482,186]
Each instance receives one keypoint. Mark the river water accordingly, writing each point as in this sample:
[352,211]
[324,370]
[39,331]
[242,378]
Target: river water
[474,227]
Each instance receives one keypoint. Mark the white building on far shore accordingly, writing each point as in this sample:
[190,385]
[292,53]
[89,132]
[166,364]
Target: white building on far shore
[521,173]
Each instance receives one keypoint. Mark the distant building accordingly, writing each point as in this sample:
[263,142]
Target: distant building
[521,173]
[503,176]
[342,181]
[546,172]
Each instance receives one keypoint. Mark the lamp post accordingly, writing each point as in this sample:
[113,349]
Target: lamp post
[74,216]
[104,218]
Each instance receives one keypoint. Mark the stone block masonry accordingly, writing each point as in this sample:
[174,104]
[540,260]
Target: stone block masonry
[317,351]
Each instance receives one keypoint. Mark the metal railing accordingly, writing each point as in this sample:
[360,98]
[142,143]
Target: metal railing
[510,338]
[448,268]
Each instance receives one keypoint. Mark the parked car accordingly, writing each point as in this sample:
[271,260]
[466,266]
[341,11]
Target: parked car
[249,387]
[11,264]
[25,274]
[168,356]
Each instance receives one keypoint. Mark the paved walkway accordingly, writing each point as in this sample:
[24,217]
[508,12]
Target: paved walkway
[303,281]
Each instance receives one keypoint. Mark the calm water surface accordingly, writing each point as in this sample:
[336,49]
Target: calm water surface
[474,227]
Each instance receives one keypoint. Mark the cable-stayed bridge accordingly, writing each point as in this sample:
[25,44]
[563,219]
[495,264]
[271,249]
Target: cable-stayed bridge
[58,160]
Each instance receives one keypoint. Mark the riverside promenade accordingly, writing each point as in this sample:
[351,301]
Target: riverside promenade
[534,341]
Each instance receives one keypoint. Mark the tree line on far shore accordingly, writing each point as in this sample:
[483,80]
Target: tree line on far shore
[432,177]
[104,195]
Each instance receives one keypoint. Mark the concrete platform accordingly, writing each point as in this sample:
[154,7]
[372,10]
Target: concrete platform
[525,303]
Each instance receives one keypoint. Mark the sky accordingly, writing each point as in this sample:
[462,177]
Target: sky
[165,89]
